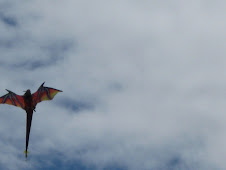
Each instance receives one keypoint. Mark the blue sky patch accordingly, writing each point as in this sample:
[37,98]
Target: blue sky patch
[75,105]
[9,21]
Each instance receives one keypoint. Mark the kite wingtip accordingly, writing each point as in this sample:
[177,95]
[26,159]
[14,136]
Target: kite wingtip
[8,90]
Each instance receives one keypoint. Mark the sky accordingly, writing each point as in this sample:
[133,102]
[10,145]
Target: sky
[144,84]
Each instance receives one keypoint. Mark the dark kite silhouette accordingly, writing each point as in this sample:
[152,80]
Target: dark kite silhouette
[28,102]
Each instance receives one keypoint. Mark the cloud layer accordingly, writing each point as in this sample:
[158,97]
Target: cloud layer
[143,84]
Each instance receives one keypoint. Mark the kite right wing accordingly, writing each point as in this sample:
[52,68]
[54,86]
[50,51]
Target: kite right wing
[44,93]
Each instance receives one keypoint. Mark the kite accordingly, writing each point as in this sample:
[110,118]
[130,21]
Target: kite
[28,103]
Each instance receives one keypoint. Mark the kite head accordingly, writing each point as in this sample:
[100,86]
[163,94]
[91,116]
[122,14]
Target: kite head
[27,93]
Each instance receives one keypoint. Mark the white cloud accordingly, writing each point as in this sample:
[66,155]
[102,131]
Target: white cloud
[154,72]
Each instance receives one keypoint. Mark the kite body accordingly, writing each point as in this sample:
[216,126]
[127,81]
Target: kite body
[28,102]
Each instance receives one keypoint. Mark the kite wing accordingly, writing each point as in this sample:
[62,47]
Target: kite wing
[12,99]
[44,93]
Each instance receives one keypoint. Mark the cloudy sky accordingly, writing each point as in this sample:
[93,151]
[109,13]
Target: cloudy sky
[144,84]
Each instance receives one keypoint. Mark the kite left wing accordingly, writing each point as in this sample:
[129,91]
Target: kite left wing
[12,99]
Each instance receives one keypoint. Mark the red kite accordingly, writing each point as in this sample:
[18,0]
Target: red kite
[28,102]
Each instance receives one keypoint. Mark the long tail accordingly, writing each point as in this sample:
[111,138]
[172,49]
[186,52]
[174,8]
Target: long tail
[28,128]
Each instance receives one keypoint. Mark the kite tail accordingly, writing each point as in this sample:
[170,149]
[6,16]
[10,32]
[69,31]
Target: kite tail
[28,128]
[26,152]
